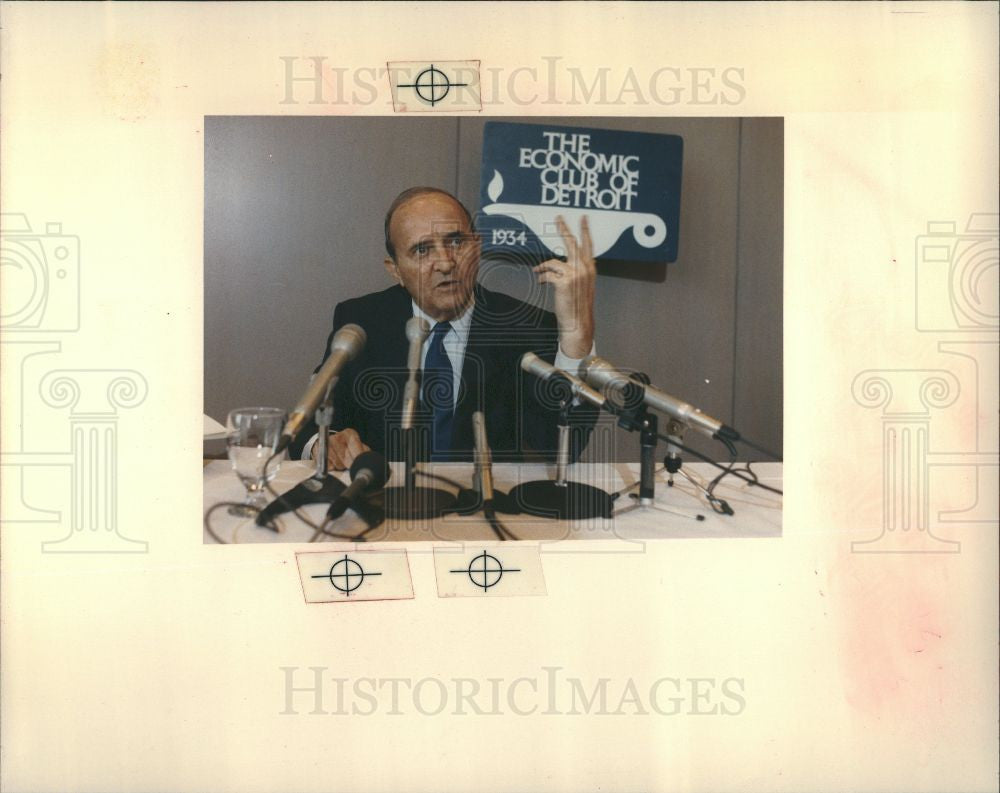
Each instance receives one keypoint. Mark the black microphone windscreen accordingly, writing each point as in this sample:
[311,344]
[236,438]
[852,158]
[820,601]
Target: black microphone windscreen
[375,463]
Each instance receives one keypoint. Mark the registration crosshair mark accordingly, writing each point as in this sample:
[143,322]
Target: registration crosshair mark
[434,82]
[486,575]
[350,570]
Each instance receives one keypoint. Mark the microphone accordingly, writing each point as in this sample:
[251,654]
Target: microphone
[369,471]
[408,501]
[417,330]
[483,459]
[600,374]
[482,496]
[561,499]
[347,343]
[545,371]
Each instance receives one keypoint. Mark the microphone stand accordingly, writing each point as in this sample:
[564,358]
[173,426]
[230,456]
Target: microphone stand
[320,488]
[411,502]
[639,418]
[672,462]
[562,499]
[482,495]
[470,500]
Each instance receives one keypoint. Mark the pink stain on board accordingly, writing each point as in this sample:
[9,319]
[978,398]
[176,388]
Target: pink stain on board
[893,631]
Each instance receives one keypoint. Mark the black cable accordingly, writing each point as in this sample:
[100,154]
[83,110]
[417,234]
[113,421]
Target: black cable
[279,496]
[501,531]
[440,478]
[267,485]
[721,467]
[323,530]
[494,524]
[726,441]
[760,449]
[730,471]
[208,522]
[720,505]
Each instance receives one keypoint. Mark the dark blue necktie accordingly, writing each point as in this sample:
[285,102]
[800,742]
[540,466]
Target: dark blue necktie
[439,390]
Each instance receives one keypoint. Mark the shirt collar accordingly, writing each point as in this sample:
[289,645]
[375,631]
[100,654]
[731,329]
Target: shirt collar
[459,326]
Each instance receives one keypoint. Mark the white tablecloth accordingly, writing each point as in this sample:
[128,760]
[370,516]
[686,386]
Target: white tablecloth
[757,512]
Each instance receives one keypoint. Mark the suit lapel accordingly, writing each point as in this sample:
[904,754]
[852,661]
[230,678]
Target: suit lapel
[385,358]
[393,346]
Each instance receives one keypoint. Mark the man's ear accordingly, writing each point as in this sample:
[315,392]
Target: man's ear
[392,269]
[477,240]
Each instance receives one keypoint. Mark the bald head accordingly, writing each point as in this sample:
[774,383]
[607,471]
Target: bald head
[433,251]
[408,195]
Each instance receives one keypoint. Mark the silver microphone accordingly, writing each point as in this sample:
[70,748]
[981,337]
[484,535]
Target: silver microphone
[482,458]
[543,370]
[602,375]
[417,330]
[347,343]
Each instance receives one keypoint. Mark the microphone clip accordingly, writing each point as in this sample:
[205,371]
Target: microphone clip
[632,413]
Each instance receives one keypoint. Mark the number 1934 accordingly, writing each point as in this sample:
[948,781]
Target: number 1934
[508,237]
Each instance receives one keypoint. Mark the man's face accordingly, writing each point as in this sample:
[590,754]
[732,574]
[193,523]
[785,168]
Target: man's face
[437,254]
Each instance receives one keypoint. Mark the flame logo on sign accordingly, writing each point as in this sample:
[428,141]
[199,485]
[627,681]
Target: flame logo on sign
[496,186]
[606,226]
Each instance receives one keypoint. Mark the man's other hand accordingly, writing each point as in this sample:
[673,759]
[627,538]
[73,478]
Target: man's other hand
[573,281]
[341,449]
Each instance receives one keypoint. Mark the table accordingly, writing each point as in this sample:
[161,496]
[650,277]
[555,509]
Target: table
[758,512]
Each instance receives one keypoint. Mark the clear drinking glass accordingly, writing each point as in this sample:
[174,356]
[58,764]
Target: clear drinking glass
[252,439]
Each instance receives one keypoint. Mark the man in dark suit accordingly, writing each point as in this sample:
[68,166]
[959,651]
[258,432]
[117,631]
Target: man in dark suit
[471,360]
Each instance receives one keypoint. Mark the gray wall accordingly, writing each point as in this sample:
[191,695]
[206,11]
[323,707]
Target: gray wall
[293,224]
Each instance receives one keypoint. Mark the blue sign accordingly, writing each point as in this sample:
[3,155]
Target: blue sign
[627,184]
